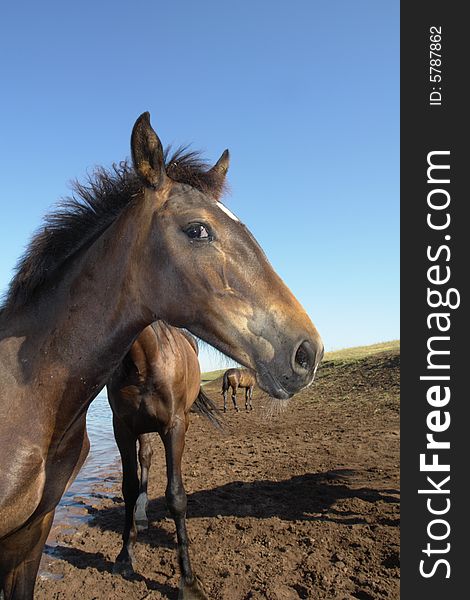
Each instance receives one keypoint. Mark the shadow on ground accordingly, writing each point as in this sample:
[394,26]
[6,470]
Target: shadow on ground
[305,497]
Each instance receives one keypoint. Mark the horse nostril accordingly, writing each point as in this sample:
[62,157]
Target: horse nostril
[302,357]
[306,357]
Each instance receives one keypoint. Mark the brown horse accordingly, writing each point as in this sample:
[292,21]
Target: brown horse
[137,245]
[152,390]
[239,378]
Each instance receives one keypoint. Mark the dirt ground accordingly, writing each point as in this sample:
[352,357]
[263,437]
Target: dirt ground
[302,503]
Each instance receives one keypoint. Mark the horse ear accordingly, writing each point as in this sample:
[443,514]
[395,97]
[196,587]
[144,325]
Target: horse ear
[147,153]
[221,166]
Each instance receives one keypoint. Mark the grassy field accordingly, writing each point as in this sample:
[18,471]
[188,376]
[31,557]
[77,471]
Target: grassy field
[359,352]
[338,357]
[211,375]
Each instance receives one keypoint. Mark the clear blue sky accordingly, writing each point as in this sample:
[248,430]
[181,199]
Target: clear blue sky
[305,94]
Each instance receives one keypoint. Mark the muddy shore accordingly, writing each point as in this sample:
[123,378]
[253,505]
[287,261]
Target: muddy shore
[299,504]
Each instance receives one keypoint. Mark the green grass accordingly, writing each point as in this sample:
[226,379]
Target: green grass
[358,352]
[342,356]
[211,375]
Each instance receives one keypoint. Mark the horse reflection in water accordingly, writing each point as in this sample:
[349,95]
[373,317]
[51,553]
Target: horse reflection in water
[136,245]
[153,390]
[239,378]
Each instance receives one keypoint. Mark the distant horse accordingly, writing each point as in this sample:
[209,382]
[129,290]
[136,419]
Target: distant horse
[153,389]
[239,378]
[136,245]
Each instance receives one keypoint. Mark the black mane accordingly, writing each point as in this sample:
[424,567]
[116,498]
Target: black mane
[94,205]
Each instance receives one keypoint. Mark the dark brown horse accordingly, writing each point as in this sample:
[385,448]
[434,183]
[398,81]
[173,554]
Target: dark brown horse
[137,245]
[152,390]
[239,378]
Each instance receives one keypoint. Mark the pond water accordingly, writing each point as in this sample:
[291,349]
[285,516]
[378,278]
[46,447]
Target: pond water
[101,469]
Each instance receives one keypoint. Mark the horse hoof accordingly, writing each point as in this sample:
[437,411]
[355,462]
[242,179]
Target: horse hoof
[193,591]
[124,569]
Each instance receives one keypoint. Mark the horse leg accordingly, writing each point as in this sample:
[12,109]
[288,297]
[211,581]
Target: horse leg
[247,396]
[234,397]
[21,555]
[127,442]
[251,397]
[145,460]
[173,440]
[225,400]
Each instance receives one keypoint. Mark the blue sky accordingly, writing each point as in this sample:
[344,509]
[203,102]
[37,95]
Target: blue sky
[305,95]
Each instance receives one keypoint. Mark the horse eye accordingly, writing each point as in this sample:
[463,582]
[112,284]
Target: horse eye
[197,231]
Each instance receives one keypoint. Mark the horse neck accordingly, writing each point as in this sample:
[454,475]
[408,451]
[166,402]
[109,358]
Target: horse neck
[71,339]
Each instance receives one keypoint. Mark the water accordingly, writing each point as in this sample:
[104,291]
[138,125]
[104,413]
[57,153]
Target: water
[97,476]
[101,468]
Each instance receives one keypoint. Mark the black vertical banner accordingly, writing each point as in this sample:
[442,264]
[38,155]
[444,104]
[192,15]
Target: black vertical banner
[435,257]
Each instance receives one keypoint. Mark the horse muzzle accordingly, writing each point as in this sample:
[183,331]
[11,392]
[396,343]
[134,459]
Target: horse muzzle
[290,372]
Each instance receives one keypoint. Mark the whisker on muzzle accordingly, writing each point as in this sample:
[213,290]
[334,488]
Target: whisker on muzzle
[274,408]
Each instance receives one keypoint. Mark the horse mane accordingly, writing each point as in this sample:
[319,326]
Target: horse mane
[79,219]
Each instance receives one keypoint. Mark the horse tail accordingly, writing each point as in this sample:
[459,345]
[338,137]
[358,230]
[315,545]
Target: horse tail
[225,383]
[207,408]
